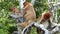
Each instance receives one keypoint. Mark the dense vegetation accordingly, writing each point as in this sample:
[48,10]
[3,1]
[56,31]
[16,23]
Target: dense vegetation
[8,25]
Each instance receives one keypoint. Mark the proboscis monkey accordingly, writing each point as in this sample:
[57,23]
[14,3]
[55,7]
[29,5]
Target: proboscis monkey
[28,12]
[44,19]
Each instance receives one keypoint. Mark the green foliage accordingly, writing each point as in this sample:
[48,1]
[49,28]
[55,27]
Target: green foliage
[33,30]
[6,24]
[40,6]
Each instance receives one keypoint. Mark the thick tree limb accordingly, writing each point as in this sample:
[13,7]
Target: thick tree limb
[56,29]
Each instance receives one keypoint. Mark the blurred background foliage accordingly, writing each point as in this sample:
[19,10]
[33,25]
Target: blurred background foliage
[8,25]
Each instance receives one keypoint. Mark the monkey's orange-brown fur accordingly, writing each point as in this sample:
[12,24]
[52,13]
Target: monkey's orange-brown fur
[13,9]
[28,12]
[47,16]
[44,16]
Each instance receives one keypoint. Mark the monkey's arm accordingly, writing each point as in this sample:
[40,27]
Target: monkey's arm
[24,24]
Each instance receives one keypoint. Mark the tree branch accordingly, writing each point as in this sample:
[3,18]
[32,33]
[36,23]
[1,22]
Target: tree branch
[21,9]
[32,2]
[56,29]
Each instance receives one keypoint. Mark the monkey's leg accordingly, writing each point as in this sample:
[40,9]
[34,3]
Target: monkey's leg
[39,31]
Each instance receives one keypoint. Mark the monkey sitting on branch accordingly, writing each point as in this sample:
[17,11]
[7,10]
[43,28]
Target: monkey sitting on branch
[28,14]
[46,26]
[45,20]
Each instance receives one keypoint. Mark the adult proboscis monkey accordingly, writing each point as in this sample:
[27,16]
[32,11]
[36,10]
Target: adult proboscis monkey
[44,19]
[28,13]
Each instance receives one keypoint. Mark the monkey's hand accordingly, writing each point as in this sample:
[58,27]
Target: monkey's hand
[23,25]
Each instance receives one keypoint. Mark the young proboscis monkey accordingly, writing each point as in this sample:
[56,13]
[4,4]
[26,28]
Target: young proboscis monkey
[28,12]
[44,19]
[15,11]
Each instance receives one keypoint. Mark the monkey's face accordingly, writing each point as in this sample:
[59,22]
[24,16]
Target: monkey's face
[25,3]
[44,19]
[13,9]
[16,16]
[46,15]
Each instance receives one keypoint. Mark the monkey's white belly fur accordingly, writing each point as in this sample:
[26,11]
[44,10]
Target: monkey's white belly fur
[45,24]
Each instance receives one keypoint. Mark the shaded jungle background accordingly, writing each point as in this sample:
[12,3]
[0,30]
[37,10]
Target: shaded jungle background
[8,25]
